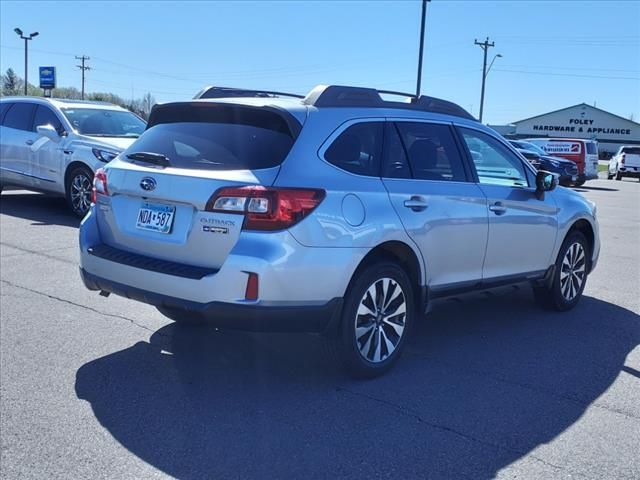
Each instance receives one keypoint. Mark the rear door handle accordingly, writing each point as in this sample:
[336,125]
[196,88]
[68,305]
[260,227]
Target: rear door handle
[29,142]
[498,208]
[416,203]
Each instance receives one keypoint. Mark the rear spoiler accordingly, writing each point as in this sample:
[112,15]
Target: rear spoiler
[268,116]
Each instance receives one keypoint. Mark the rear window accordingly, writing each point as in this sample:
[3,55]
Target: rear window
[216,138]
[592,148]
[631,150]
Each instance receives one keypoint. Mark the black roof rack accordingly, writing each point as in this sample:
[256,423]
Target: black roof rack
[343,96]
[226,92]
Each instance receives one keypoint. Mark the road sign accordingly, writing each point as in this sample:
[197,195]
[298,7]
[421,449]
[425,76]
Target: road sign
[47,77]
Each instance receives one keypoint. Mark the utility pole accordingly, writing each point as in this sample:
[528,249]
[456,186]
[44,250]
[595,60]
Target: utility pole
[422,25]
[83,68]
[26,54]
[485,47]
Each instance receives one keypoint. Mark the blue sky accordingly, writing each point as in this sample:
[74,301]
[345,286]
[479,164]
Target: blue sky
[555,54]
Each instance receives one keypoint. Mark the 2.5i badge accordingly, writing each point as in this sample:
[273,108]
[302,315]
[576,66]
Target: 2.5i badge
[212,229]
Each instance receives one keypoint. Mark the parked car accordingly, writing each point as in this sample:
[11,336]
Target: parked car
[566,169]
[584,153]
[55,146]
[339,213]
[625,163]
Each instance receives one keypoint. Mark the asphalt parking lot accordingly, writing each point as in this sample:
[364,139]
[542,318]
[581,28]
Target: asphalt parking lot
[490,385]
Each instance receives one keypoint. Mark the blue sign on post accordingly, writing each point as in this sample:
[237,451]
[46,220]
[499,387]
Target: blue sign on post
[47,77]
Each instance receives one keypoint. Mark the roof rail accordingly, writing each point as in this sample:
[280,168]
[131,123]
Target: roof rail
[226,92]
[343,96]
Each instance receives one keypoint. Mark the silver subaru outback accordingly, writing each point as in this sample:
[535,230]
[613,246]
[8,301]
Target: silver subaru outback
[341,212]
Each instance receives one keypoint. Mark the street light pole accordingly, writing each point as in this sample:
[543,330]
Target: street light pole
[26,55]
[422,25]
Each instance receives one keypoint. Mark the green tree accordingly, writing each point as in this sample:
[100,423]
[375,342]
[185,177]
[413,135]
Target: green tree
[11,83]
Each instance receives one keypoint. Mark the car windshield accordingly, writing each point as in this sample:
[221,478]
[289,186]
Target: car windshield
[98,122]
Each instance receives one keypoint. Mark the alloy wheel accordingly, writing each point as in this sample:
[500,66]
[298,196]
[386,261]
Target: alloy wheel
[573,271]
[81,193]
[380,320]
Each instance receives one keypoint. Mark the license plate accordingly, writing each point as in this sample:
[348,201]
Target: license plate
[155,217]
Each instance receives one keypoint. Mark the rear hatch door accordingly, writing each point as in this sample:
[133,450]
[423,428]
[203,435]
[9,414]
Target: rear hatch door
[159,188]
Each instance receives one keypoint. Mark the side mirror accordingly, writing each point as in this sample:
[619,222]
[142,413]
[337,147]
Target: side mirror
[545,182]
[49,132]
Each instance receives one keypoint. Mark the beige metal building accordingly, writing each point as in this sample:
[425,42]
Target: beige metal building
[578,121]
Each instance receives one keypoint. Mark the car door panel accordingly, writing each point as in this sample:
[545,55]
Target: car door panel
[446,218]
[522,231]
[17,139]
[522,226]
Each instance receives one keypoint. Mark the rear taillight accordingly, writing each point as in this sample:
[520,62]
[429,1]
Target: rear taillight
[622,159]
[99,184]
[266,208]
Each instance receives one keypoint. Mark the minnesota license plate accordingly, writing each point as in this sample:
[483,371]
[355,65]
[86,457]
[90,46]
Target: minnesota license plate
[155,217]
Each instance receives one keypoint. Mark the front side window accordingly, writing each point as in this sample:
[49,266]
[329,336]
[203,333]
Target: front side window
[358,149]
[19,116]
[44,116]
[432,151]
[495,164]
[96,122]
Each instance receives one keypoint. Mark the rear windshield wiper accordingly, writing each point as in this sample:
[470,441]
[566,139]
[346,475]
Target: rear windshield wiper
[148,157]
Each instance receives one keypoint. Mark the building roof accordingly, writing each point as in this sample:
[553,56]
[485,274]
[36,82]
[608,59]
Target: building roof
[591,107]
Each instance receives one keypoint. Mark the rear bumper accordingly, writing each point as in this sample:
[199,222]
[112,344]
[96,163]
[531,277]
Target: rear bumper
[250,317]
[629,171]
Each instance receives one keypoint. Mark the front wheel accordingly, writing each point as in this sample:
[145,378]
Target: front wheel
[78,190]
[569,276]
[377,317]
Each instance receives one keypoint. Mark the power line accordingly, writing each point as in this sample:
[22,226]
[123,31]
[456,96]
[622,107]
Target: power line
[605,77]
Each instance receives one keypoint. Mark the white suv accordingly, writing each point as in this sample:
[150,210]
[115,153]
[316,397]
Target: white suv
[55,146]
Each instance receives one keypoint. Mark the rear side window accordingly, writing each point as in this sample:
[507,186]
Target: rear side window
[592,148]
[210,138]
[19,116]
[358,149]
[4,107]
[44,116]
[432,151]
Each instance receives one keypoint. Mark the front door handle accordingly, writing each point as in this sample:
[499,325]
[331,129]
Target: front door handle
[416,203]
[498,208]
[29,142]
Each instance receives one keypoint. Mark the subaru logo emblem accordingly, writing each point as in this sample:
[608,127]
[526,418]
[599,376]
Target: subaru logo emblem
[148,184]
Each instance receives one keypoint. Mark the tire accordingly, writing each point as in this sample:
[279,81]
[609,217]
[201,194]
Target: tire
[579,183]
[181,316]
[609,176]
[381,338]
[78,190]
[618,176]
[569,276]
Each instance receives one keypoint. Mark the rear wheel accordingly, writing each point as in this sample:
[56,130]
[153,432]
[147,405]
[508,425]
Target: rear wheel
[78,190]
[377,317]
[579,183]
[569,277]
[618,176]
